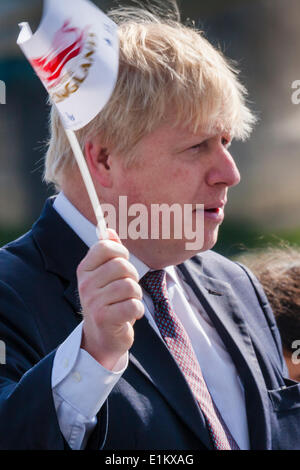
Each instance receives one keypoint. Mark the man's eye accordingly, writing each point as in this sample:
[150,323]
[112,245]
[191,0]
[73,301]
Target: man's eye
[226,142]
[202,146]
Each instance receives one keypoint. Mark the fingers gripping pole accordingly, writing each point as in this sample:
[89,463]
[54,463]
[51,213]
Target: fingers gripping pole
[101,225]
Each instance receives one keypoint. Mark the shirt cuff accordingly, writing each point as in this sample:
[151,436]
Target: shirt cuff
[79,379]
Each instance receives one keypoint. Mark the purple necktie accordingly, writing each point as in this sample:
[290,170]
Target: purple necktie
[176,338]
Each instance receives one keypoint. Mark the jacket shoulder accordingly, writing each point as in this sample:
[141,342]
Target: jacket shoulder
[248,291]
[20,259]
[215,265]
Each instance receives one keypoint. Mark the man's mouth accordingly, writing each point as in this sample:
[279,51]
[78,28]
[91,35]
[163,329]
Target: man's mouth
[214,213]
[214,206]
[213,210]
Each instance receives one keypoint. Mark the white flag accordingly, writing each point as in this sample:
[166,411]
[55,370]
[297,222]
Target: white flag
[75,53]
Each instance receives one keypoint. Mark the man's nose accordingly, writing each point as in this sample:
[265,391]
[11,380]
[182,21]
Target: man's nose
[224,170]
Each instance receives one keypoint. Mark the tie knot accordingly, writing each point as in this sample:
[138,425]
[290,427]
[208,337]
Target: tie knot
[154,282]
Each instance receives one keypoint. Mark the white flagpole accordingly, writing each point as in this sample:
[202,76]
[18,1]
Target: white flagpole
[101,225]
[87,179]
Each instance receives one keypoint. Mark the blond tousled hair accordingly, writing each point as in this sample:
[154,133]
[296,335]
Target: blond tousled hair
[164,66]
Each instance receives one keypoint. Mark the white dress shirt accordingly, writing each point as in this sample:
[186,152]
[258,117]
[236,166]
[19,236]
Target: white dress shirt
[81,385]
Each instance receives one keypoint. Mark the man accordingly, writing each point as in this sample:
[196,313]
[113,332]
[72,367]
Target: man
[176,350]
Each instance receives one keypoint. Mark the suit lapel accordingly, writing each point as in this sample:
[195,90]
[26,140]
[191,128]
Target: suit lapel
[220,303]
[61,250]
[152,357]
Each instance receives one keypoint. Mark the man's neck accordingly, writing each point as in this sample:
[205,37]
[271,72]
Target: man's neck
[86,230]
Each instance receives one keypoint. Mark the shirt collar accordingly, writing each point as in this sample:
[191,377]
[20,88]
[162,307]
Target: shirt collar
[87,232]
[80,224]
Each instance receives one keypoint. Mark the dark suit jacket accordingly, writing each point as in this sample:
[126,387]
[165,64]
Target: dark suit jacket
[151,407]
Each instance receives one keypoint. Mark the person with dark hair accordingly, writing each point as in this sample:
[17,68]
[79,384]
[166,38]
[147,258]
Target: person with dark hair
[278,270]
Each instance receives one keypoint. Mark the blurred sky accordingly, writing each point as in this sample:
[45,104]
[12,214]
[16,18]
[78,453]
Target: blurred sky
[262,35]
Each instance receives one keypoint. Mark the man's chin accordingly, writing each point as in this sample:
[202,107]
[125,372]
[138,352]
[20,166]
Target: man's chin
[178,256]
[210,239]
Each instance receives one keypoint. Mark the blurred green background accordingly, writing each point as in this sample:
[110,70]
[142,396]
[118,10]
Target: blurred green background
[263,36]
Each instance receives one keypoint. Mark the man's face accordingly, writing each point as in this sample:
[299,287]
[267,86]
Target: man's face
[176,166]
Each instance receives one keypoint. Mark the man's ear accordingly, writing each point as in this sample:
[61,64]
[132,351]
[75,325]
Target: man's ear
[97,158]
